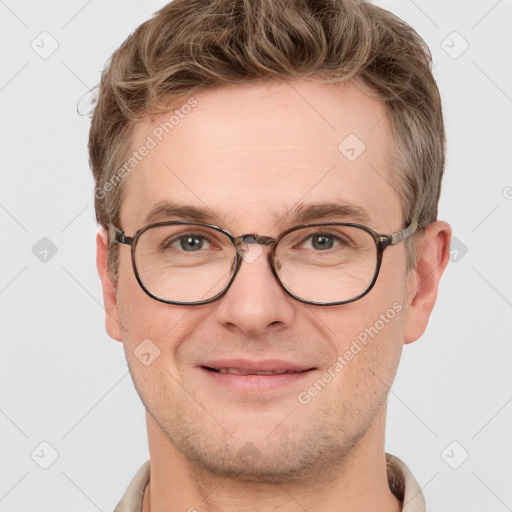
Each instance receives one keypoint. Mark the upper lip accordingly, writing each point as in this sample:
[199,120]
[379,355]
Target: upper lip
[249,366]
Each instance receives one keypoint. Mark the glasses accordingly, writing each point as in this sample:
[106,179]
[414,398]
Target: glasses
[191,263]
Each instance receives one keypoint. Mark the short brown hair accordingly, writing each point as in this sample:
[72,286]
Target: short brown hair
[191,45]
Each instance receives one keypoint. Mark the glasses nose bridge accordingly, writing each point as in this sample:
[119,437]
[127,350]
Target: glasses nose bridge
[253,238]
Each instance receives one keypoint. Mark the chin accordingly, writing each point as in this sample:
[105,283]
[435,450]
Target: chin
[289,453]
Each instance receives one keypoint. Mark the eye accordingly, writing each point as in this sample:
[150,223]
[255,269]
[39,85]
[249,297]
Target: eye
[322,241]
[188,242]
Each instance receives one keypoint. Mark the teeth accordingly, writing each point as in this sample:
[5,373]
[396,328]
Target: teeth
[234,371]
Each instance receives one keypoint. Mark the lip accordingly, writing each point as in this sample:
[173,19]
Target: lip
[285,374]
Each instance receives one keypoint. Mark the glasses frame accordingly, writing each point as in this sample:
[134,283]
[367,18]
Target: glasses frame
[382,241]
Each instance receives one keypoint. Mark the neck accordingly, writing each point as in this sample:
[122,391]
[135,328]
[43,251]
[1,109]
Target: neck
[358,482]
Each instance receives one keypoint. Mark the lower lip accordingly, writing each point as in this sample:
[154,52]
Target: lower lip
[257,383]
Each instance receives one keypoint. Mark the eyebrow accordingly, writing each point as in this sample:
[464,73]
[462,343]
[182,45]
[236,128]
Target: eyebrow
[300,214]
[333,210]
[166,210]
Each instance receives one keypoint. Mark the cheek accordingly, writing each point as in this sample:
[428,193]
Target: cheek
[378,315]
[368,355]
[150,334]
[152,331]
[138,311]
[368,331]
[142,323]
[368,335]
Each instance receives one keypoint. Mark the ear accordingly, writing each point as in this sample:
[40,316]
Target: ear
[112,320]
[433,253]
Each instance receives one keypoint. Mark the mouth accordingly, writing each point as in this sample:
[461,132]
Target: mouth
[238,371]
[248,376]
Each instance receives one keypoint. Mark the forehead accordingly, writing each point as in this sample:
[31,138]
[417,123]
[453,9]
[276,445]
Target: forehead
[251,153]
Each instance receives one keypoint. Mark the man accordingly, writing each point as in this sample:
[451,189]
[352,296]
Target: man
[267,179]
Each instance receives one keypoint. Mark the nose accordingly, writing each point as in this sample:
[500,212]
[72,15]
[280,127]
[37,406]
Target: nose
[255,302]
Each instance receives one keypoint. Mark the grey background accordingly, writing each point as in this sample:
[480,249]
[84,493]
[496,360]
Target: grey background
[65,383]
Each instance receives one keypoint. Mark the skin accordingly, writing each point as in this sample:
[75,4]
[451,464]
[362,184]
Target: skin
[250,154]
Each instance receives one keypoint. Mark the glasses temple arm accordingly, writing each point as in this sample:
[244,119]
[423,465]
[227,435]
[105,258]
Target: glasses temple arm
[115,235]
[402,235]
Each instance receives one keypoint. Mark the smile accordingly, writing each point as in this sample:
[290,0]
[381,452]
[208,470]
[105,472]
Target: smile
[249,376]
[236,371]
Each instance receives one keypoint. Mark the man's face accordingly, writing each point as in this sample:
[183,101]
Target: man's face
[251,156]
